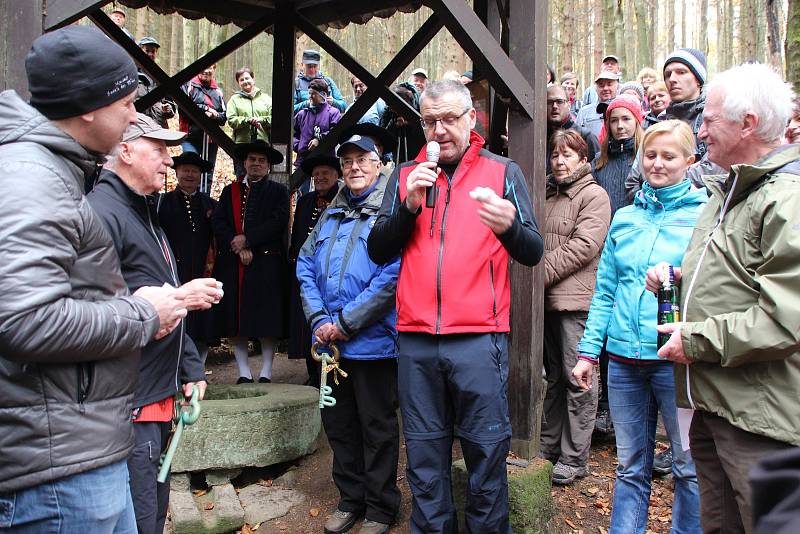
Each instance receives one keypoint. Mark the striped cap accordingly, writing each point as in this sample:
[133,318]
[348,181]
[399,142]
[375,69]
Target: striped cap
[692,58]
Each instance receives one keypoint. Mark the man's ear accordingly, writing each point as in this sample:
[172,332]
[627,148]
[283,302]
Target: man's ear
[749,124]
[125,154]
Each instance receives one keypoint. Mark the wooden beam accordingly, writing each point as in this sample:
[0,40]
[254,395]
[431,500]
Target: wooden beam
[283,65]
[396,66]
[185,104]
[485,51]
[528,50]
[213,56]
[64,12]
[497,24]
[20,24]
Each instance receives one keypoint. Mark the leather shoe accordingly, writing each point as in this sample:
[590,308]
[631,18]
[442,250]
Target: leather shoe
[373,527]
[340,522]
[264,380]
[244,380]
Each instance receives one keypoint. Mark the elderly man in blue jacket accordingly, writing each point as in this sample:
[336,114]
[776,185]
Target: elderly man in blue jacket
[350,300]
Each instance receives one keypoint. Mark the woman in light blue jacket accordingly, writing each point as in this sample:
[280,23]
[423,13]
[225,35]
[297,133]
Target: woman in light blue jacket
[623,316]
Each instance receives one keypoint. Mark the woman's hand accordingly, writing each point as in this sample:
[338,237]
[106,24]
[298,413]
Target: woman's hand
[655,276]
[583,374]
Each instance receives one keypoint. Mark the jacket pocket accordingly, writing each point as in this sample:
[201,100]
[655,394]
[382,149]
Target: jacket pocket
[85,377]
[494,294]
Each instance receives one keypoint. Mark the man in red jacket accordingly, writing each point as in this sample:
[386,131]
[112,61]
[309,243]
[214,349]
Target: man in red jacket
[453,304]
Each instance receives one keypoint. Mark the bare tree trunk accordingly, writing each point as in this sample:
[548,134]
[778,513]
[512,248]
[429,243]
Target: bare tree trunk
[728,32]
[683,24]
[749,36]
[653,20]
[619,33]
[629,38]
[670,26]
[793,44]
[599,26]
[702,40]
[774,35]
[645,49]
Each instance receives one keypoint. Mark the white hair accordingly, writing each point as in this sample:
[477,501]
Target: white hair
[440,88]
[756,88]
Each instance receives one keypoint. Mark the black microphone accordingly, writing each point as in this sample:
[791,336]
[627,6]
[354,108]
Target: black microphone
[431,154]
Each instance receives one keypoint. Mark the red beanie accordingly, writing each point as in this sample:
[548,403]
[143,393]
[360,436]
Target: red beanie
[629,102]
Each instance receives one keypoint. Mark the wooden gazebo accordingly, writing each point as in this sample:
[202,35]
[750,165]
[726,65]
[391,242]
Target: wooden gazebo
[506,40]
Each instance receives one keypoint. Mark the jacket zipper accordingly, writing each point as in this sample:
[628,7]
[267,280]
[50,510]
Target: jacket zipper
[174,281]
[688,294]
[494,297]
[441,257]
[81,389]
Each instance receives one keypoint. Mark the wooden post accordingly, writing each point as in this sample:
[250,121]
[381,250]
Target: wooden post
[20,24]
[283,72]
[528,49]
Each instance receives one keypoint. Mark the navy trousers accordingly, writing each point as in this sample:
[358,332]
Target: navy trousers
[455,385]
[150,497]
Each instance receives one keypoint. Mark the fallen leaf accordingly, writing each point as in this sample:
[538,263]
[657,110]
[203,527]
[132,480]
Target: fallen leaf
[314,512]
[601,530]
[199,493]
[208,506]
[255,527]
[570,523]
[578,515]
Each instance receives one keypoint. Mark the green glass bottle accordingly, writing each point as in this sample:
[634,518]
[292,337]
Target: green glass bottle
[669,309]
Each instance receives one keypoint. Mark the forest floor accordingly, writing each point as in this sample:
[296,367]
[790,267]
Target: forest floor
[582,508]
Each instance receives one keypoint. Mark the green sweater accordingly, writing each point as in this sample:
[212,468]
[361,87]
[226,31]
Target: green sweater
[243,107]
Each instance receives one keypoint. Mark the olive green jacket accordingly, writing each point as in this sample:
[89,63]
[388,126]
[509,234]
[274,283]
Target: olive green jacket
[741,291]
[242,107]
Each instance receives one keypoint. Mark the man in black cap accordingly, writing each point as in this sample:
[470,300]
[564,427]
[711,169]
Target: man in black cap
[185,214]
[123,199]
[70,330]
[311,71]
[250,225]
[165,108]
[325,173]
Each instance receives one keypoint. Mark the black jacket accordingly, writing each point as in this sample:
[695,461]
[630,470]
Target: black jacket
[147,260]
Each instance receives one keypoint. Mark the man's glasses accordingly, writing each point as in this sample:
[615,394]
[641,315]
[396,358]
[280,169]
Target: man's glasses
[430,124]
[362,162]
[557,101]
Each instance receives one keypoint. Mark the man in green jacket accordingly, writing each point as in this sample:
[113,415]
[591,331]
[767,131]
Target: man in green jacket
[740,342]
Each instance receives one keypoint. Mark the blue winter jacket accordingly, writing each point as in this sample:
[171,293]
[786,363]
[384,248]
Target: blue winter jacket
[656,228]
[341,285]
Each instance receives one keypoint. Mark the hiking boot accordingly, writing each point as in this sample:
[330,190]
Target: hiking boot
[373,527]
[602,422]
[340,522]
[662,463]
[564,474]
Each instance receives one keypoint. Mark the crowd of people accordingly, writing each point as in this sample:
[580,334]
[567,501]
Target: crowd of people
[400,264]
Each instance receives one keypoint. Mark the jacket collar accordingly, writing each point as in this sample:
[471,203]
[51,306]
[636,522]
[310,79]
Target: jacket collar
[743,177]
[671,196]
[340,202]
[572,184]
[620,147]
[141,204]
[687,110]
[476,143]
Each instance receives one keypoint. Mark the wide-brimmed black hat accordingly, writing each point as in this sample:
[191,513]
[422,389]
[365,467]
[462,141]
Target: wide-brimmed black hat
[309,164]
[367,129]
[261,147]
[191,158]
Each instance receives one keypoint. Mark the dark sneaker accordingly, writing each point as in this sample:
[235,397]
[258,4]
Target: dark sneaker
[340,522]
[602,422]
[244,380]
[264,380]
[662,463]
[373,527]
[564,474]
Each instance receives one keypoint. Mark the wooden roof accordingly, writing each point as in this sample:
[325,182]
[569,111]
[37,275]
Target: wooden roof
[323,13]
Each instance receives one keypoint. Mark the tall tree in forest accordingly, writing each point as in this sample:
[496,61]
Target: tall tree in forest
[683,42]
[644,32]
[619,33]
[599,26]
[702,34]
[774,35]
[793,44]
[748,47]
[670,6]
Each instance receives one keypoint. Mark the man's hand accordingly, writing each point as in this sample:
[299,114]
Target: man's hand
[583,374]
[655,276]
[168,303]
[419,180]
[673,348]
[238,243]
[201,293]
[324,332]
[314,143]
[187,391]
[211,112]
[497,213]
[246,257]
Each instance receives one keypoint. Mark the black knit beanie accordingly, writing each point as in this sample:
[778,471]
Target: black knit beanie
[76,70]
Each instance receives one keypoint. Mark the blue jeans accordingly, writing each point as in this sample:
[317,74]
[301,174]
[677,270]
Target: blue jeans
[636,393]
[96,502]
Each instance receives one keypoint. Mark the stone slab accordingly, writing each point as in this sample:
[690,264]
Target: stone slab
[261,503]
[530,502]
[250,425]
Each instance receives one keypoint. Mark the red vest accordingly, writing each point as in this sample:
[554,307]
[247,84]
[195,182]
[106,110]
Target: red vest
[456,280]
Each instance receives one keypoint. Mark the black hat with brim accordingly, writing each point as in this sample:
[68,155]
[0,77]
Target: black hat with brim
[309,164]
[367,129]
[260,147]
[191,158]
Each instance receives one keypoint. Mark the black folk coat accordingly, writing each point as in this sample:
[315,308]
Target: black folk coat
[186,220]
[255,303]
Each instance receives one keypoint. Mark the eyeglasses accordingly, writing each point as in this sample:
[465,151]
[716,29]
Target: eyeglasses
[362,162]
[557,101]
[430,124]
